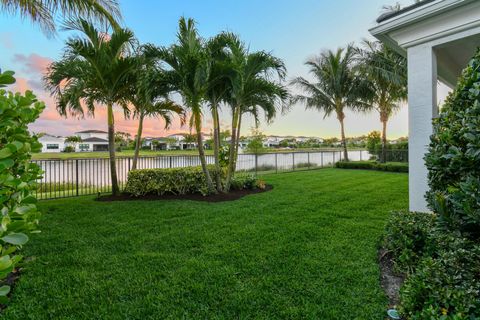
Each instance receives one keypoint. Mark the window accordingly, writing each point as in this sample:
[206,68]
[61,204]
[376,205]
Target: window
[52,147]
[84,147]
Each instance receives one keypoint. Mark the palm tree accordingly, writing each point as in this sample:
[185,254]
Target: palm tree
[73,140]
[189,69]
[43,12]
[337,87]
[218,90]
[387,72]
[252,88]
[150,97]
[94,70]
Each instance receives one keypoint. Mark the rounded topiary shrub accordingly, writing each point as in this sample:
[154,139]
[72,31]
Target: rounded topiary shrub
[453,159]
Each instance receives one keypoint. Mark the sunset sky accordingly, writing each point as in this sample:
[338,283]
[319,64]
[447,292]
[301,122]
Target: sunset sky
[292,30]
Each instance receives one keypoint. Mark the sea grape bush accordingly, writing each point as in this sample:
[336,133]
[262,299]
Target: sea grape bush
[19,214]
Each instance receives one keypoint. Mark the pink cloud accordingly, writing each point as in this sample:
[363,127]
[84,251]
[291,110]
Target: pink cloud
[34,63]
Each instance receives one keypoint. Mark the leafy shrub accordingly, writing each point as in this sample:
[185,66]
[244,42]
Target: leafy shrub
[373,165]
[17,175]
[169,181]
[446,286]
[408,238]
[453,159]
[69,149]
[248,182]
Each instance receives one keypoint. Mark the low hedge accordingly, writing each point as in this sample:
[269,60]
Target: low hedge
[373,165]
[169,181]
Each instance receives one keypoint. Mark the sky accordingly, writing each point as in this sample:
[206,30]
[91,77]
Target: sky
[291,30]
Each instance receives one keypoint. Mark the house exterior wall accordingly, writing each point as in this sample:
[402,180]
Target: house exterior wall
[52,144]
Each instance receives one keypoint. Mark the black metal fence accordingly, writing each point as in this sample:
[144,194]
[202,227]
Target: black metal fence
[75,177]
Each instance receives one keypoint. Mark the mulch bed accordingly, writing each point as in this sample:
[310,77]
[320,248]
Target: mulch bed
[219,197]
[390,281]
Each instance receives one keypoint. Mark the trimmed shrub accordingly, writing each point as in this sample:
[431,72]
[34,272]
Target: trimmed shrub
[446,286]
[17,175]
[69,149]
[373,165]
[244,182]
[169,181]
[453,159]
[408,238]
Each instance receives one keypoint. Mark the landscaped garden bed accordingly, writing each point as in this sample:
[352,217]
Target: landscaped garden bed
[306,249]
[216,197]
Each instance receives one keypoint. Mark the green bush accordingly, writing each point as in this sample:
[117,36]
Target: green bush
[408,238]
[69,149]
[373,165]
[244,182]
[446,286]
[179,181]
[453,159]
[17,175]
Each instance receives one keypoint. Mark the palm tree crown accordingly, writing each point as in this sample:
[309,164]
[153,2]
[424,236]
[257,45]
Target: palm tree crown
[95,69]
[43,12]
[337,86]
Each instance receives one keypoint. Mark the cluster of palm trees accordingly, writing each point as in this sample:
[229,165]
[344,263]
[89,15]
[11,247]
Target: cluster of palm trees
[113,70]
[370,77]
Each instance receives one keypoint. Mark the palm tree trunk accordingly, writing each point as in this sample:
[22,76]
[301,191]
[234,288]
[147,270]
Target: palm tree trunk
[384,141]
[233,141]
[344,140]
[237,142]
[201,153]
[216,146]
[111,149]
[138,141]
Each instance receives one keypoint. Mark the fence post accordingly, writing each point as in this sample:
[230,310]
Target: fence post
[170,160]
[129,165]
[293,160]
[321,155]
[256,164]
[361,155]
[308,157]
[76,175]
[333,161]
[276,162]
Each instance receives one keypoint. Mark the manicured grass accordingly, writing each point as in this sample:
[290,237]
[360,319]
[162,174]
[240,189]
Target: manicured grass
[306,250]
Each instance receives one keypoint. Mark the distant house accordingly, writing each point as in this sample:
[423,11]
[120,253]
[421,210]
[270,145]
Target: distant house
[52,143]
[92,140]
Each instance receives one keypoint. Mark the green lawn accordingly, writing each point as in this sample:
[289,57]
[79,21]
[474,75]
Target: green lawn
[306,250]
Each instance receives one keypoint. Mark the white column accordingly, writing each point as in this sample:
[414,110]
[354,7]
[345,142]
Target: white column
[422,107]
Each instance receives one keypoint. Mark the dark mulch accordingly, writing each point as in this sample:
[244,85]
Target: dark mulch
[390,281]
[220,197]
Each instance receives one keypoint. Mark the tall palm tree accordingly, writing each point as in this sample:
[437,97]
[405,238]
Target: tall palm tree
[150,98]
[94,70]
[43,12]
[252,88]
[387,72]
[337,86]
[188,70]
[218,90]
